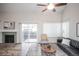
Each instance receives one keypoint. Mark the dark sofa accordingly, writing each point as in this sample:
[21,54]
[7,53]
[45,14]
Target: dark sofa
[72,50]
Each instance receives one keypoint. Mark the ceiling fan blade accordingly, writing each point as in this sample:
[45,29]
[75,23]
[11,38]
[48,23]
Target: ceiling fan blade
[44,10]
[41,5]
[60,4]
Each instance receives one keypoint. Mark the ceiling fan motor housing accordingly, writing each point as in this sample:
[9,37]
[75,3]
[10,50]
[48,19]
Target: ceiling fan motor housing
[54,10]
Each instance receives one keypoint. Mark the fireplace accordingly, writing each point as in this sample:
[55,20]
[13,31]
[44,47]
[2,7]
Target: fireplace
[9,37]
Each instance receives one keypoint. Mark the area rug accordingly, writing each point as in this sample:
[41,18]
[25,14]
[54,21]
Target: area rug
[10,49]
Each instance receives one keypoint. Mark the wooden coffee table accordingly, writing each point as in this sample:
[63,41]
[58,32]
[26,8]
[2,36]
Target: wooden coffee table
[47,51]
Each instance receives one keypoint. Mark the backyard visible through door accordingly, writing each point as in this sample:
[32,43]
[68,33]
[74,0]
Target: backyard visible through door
[29,32]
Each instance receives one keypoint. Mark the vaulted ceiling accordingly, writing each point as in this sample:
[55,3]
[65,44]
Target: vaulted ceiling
[26,8]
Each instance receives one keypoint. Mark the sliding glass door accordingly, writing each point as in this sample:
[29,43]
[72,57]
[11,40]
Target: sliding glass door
[29,32]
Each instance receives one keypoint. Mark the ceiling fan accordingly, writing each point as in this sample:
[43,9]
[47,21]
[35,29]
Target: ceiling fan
[51,6]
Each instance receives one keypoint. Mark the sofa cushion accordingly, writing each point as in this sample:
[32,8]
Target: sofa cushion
[76,51]
[74,44]
[71,51]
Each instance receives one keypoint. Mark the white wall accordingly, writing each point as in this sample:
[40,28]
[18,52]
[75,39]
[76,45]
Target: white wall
[38,18]
[71,15]
[65,29]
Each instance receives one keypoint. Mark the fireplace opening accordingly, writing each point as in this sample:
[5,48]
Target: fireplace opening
[9,38]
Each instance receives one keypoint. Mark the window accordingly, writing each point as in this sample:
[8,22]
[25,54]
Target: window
[52,29]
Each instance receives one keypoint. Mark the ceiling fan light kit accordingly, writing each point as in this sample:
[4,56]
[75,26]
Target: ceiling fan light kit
[50,7]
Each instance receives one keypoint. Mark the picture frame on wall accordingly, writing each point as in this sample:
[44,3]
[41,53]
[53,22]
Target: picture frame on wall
[77,29]
[9,25]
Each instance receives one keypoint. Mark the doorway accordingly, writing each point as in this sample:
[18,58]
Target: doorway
[29,32]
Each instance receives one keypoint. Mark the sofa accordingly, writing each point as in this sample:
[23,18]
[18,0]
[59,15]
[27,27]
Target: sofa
[72,49]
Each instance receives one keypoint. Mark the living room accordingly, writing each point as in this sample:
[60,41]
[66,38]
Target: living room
[59,24]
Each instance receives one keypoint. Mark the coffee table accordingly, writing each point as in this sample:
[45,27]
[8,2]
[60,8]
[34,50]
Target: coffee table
[47,51]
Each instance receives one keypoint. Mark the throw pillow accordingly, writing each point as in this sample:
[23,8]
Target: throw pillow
[66,41]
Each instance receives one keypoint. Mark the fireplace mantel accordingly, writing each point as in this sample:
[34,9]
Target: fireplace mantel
[9,31]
